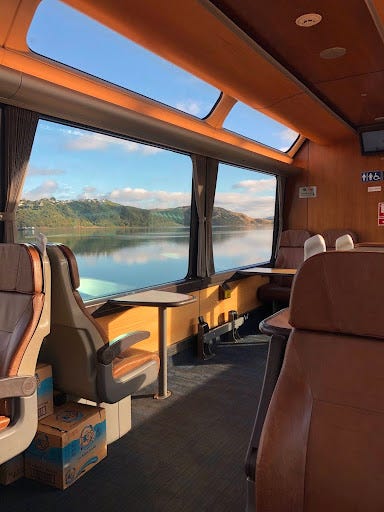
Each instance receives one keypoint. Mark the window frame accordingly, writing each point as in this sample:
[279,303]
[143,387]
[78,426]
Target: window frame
[276,222]
[123,87]
[74,125]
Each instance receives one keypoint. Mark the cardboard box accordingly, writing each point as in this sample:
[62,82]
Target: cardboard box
[68,443]
[12,470]
[118,417]
[44,390]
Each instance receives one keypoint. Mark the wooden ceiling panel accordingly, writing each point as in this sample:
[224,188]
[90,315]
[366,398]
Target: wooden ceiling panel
[359,97]
[347,24]
[315,122]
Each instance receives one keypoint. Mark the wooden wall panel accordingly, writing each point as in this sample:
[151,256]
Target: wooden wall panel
[296,211]
[343,200]
[182,321]
[243,299]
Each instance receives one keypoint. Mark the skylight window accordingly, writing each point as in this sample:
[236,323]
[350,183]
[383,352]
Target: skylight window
[254,125]
[72,38]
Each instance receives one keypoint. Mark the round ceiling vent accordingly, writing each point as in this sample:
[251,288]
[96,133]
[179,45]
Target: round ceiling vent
[333,53]
[308,20]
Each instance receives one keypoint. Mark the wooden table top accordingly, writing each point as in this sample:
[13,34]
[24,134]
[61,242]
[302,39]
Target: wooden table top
[155,298]
[269,271]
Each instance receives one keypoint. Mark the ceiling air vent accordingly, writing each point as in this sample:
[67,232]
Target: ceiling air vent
[333,53]
[308,20]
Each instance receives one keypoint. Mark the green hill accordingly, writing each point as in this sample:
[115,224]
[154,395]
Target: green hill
[48,213]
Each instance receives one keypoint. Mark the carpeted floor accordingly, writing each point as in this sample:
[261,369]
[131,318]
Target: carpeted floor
[185,453]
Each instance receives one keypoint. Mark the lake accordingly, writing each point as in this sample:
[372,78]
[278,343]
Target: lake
[122,260]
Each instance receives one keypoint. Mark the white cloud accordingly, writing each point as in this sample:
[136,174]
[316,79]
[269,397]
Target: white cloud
[36,171]
[287,137]
[142,198]
[189,106]
[256,186]
[90,192]
[85,141]
[246,198]
[46,189]
[256,207]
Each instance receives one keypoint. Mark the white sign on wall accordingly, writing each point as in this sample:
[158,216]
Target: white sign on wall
[305,192]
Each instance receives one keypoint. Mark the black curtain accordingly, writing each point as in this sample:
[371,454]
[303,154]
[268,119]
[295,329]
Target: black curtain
[18,130]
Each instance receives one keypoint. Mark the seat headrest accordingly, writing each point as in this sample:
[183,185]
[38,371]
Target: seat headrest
[340,292]
[71,260]
[344,243]
[294,237]
[313,246]
[20,268]
[331,235]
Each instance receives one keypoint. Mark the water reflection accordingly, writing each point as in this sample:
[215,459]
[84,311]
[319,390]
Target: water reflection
[126,259]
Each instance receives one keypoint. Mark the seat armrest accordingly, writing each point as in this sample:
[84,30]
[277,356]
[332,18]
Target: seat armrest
[106,354]
[17,386]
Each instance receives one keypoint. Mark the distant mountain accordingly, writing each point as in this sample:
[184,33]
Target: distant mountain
[94,213]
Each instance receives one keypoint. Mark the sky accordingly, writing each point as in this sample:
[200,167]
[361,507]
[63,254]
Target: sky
[69,163]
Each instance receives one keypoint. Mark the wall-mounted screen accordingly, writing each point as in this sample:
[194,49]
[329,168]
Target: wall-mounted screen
[372,142]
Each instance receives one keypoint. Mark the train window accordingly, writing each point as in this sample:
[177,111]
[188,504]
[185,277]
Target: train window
[72,38]
[243,217]
[253,124]
[123,207]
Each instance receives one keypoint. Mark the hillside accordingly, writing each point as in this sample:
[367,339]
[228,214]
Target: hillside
[50,213]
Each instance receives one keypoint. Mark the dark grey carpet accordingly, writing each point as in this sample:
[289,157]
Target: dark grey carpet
[185,453]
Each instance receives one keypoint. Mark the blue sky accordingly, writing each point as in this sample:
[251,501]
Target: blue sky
[70,163]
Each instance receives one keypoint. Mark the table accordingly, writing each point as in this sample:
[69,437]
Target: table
[369,247]
[277,326]
[161,300]
[268,271]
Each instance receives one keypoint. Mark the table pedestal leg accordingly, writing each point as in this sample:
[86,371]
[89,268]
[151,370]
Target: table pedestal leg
[163,355]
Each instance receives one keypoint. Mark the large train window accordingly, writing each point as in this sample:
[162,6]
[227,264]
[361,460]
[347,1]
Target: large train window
[243,217]
[123,207]
[68,36]
[254,125]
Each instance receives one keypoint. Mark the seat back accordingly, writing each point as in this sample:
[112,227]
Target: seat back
[321,446]
[331,235]
[24,322]
[313,246]
[344,243]
[75,336]
[76,342]
[290,253]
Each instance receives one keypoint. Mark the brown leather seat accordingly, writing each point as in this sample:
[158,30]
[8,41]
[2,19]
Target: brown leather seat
[84,363]
[24,321]
[331,235]
[321,446]
[290,255]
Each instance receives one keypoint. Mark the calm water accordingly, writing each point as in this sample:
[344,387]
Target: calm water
[116,261]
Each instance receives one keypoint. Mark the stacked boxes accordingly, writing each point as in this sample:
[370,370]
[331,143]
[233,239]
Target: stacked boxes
[68,443]
[70,440]
[13,469]
[117,417]
[44,390]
